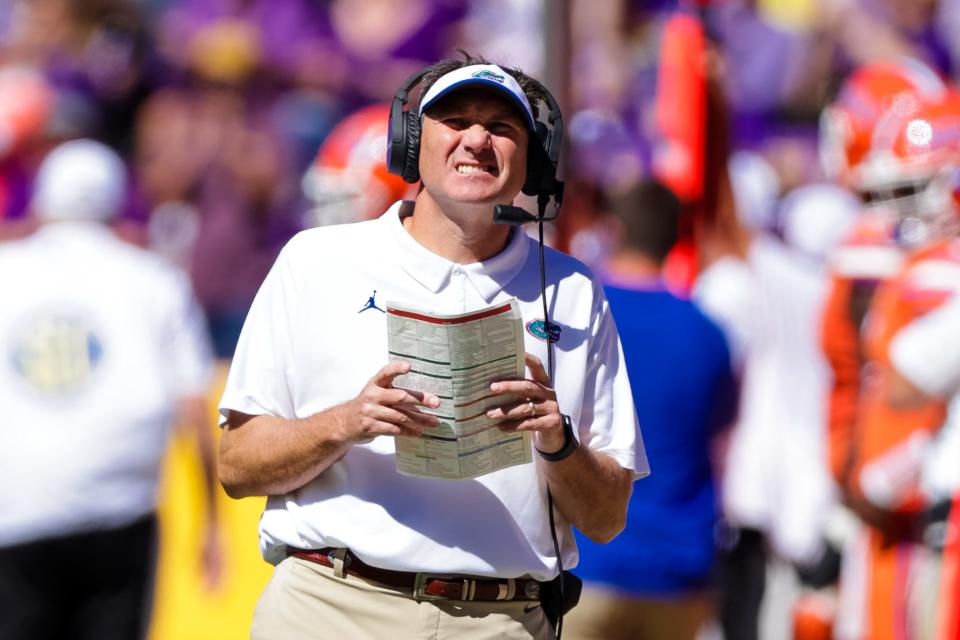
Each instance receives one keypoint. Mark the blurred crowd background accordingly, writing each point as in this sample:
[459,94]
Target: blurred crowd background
[242,122]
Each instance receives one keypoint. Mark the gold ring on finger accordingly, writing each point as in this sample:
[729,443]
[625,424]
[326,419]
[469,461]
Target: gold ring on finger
[531,408]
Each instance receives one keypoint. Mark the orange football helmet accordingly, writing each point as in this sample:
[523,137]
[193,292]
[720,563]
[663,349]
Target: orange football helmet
[912,170]
[847,125]
[348,180]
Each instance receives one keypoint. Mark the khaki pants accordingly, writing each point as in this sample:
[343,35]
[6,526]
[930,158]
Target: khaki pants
[606,615]
[306,600]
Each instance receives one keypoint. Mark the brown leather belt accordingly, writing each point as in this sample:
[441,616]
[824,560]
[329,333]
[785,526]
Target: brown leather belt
[427,586]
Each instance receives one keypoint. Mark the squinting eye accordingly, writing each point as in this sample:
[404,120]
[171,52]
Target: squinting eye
[506,129]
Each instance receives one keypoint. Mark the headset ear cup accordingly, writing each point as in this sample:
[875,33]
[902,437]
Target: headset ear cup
[411,166]
[534,165]
[539,170]
[396,139]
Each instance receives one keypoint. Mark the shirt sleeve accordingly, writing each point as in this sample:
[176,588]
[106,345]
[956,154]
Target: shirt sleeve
[188,348]
[261,376]
[927,353]
[608,420]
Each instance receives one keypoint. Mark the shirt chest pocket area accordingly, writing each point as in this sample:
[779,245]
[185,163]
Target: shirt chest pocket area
[537,348]
[338,355]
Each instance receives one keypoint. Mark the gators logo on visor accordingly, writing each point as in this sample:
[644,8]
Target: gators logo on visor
[490,75]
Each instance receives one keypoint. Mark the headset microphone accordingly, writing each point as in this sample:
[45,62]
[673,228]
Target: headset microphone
[508,214]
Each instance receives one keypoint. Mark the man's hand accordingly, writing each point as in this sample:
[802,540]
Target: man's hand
[537,412]
[591,489]
[267,455]
[381,410]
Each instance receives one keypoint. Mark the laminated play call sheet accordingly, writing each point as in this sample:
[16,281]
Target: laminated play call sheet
[456,357]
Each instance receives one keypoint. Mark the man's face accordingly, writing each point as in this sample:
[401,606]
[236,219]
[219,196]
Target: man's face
[473,149]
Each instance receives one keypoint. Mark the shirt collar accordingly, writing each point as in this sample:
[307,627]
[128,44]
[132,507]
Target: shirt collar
[488,277]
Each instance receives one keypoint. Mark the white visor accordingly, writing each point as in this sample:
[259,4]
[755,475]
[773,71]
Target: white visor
[483,76]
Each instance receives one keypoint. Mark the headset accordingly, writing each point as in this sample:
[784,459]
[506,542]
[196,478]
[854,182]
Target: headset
[403,151]
[543,155]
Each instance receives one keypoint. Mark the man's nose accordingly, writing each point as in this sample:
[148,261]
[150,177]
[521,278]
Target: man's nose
[476,138]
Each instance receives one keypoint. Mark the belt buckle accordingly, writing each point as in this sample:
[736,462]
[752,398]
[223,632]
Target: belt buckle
[420,585]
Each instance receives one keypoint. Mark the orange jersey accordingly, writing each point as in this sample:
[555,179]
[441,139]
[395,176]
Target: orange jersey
[842,348]
[888,445]
[865,259]
[891,441]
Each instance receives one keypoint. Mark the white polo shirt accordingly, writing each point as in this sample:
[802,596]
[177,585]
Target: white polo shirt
[98,341]
[312,341]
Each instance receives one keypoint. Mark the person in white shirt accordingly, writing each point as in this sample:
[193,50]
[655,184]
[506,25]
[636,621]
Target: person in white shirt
[309,408]
[104,347]
[767,295]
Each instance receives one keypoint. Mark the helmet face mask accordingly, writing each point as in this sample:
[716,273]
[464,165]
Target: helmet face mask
[921,209]
[340,196]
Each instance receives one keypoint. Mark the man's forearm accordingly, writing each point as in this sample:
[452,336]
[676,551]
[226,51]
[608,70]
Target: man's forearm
[266,455]
[193,411]
[591,490]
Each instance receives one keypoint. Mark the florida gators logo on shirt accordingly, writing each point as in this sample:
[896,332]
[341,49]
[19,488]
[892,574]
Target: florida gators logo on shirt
[539,330]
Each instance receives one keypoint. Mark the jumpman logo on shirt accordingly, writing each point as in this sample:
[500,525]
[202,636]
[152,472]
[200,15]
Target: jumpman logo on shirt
[371,304]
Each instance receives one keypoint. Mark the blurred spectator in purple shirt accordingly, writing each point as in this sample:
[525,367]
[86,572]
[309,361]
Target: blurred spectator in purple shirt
[217,174]
[376,44]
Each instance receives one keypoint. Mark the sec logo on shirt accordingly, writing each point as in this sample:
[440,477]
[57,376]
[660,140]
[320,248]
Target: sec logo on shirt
[56,355]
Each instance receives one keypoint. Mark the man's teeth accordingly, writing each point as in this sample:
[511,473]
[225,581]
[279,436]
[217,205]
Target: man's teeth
[470,168]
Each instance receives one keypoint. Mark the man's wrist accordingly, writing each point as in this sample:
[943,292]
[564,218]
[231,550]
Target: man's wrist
[334,424]
[570,443]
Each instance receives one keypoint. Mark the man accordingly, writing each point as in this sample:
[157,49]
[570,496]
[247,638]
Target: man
[103,344]
[309,406]
[889,562]
[867,102]
[769,294]
[654,580]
